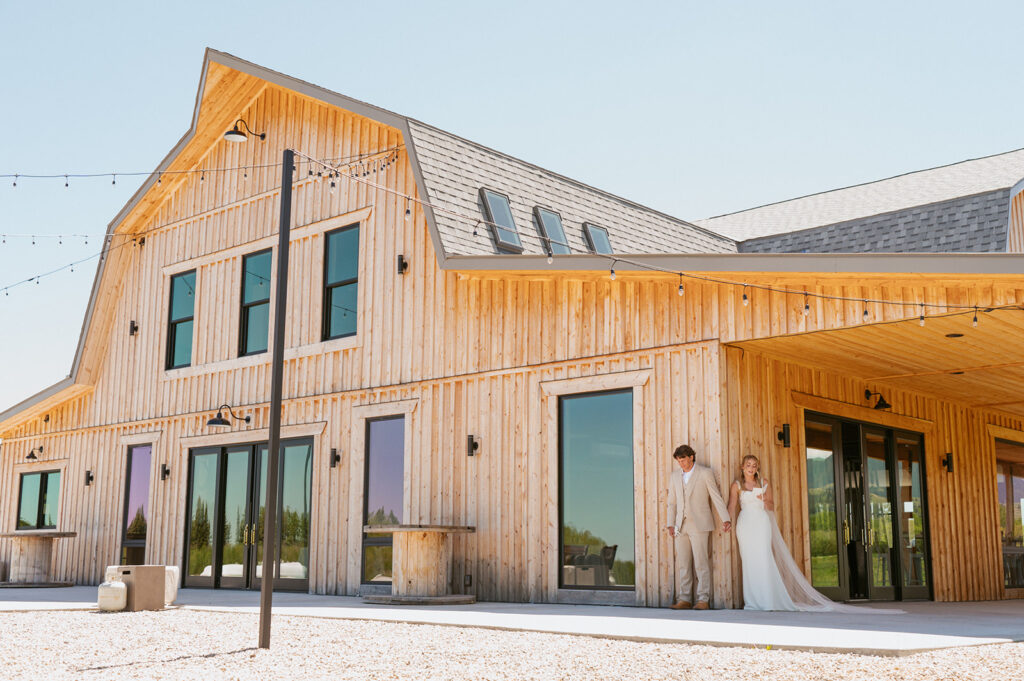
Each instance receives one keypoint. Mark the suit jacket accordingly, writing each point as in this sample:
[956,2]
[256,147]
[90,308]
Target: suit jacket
[693,501]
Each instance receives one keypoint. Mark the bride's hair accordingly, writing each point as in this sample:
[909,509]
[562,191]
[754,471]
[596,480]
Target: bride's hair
[757,475]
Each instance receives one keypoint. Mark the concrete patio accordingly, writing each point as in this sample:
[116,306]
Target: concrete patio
[882,630]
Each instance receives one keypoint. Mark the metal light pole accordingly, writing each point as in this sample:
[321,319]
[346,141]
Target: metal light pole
[276,380]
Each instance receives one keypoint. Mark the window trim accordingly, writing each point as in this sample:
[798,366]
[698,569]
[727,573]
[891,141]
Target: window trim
[492,224]
[328,288]
[543,231]
[41,504]
[172,323]
[587,226]
[243,322]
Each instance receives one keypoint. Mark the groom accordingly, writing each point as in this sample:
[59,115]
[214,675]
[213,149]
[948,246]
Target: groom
[692,491]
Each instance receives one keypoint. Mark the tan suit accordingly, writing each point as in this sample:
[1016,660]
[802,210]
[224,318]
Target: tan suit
[689,512]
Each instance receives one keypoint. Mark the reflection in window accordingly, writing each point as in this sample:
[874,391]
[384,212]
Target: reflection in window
[1010,487]
[550,225]
[341,282]
[179,331]
[597,238]
[136,505]
[255,323]
[498,212]
[821,505]
[38,499]
[596,474]
[910,510]
[383,493]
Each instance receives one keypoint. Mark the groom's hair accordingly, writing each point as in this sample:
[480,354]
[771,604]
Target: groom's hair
[683,452]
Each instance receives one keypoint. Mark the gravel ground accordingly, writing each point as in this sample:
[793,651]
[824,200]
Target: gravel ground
[186,644]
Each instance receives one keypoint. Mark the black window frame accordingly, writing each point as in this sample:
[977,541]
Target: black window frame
[389,539]
[172,323]
[329,287]
[502,245]
[549,242]
[129,460]
[587,226]
[243,323]
[41,505]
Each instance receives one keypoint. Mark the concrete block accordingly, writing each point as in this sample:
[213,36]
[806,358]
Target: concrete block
[112,596]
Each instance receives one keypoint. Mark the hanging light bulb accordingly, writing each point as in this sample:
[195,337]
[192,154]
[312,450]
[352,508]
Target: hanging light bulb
[974,322]
[746,300]
[551,259]
[865,315]
[807,306]
[611,273]
[65,181]
[160,178]
[202,175]
[920,320]
[408,210]
[15,183]
[113,180]
[681,290]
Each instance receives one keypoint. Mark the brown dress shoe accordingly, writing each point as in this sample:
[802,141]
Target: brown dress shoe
[701,605]
[682,605]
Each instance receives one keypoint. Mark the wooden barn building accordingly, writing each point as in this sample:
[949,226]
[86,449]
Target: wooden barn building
[474,340]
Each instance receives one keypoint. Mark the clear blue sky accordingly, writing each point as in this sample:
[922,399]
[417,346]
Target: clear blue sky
[694,108]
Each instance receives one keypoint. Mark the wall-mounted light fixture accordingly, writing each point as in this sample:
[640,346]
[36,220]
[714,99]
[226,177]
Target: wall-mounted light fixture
[165,471]
[881,404]
[335,458]
[220,421]
[236,135]
[403,264]
[783,435]
[89,478]
[472,444]
[947,461]
[133,328]
[46,418]
[33,452]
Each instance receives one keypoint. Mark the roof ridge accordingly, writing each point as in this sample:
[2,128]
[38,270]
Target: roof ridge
[865,184]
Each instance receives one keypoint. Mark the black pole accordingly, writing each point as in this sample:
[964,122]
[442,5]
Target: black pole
[276,380]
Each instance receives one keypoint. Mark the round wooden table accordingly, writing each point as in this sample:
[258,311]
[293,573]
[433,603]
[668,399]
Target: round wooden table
[421,566]
[32,557]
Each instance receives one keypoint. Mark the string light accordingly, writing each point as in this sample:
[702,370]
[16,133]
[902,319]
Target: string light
[865,310]
[746,300]
[974,322]
[681,290]
[612,272]
[921,318]
[807,305]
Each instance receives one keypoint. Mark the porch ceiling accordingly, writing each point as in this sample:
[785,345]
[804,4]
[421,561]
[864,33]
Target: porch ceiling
[983,368]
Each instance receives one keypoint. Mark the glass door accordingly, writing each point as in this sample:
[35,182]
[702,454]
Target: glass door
[291,571]
[827,542]
[203,507]
[235,518]
[912,526]
[878,509]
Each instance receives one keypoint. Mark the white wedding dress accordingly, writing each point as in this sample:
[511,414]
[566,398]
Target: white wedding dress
[771,578]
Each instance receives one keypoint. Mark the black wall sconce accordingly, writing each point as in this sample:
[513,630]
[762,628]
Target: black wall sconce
[133,328]
[783,435]
[236,135]
[89,478]
[46,418]
[32,453]
[403,264]
[947,461]
[472,444]
[165,471]
[881,404]
[219,419]
[335,458]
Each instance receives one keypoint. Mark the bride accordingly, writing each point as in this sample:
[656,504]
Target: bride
[771,578]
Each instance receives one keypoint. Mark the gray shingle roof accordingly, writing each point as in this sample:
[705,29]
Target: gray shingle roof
[971,224]
[455,169]
[924,187]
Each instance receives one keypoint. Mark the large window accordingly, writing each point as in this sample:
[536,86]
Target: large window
[341,282]
[136,505]
[38,499]
[596,491]
[179,332]
[255,323]
[550,225]
[1010,484]
[382,497]
[597,238]
[499,218]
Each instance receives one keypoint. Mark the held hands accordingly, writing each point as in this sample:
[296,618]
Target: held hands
[726,526]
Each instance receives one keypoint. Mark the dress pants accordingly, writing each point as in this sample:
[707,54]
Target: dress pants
[692,557]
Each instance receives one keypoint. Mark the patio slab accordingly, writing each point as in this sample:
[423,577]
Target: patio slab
[884,629]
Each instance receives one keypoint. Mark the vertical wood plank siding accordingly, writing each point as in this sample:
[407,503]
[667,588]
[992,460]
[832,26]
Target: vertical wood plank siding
[472,349]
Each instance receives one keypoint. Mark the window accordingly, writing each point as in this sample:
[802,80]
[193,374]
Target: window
[597,238]
[38,499]
[498,213]
[341,282]
[136,505]
[1010,500]
[596,490]
[255,324]
[179,334]
[550,225]
[382,493]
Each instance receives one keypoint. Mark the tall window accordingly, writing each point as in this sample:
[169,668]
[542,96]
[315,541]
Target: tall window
[179,332]
[597,238]
[341,282]
[253,330]
[38,500]
[136,505]
[382,496]
[499,217]
[1010,484]
[596,490]
[550,224]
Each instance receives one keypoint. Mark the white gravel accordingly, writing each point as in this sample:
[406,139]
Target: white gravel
[186,644]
